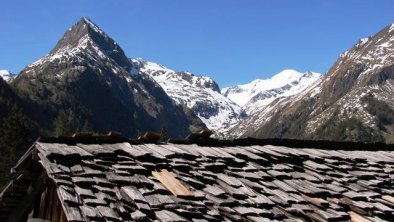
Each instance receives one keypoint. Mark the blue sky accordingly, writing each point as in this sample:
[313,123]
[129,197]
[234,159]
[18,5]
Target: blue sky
[232,41]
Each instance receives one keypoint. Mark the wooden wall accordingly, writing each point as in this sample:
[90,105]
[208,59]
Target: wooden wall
[47,205]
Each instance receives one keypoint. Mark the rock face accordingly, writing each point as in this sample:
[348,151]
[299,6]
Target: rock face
[88,75]
[199,93]
[353,101]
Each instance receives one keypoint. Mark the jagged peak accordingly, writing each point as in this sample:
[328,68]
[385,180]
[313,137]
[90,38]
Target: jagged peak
[82,31]
[156,70]
[86,37]
[92,25]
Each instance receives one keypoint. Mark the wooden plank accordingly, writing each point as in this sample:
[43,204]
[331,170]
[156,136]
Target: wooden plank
[191,150]
[132,150]
[94,202]
[132,194]
[95,149]
[331,215]
[307,188]
[67,196]
[108,213]
[279,174]
[72,213]
[168,216]
[118,179]
[388,198]
[89,172]
[50,201]
[316,201]
[138,216]
[355,217]
[214,190]
[359,207]
[159,149]
[232,181]
[316,166]
[83,192]
[50,168]
[90,212]
[225,155]
[284,186]
[363,195]
[159,200]
[178,151]
[383,208]
[152,152]
[261,200]
[171,183]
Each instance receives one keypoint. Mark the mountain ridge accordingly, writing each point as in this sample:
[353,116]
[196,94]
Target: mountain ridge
[201,94]
[260,92]
[88,75]
[351,102]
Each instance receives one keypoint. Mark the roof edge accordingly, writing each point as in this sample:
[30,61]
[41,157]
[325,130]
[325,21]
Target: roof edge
[292,143]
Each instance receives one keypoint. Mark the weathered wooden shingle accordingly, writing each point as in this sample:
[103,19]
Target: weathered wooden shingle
[114,182]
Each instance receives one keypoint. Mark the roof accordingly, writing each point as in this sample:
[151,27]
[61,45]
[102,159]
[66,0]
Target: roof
[127,181]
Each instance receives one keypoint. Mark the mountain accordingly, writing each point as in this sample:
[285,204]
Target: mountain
[199,93]
[7,75]
[8,99]
[353,101]
[257,94]
[88,80]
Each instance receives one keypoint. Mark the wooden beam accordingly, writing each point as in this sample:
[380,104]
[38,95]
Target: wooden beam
[50,202]
[42,204]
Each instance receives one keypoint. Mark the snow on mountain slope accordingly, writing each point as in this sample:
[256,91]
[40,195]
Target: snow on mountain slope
[353,101]
[7,75]
[255,95]
[87,74]
[199,93]
[86,42]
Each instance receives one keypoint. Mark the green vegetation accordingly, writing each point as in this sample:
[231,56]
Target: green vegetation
[381,110]
[350,129]
[17,134]
[286,126]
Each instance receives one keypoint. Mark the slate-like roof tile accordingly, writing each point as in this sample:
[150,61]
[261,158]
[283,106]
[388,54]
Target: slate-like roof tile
[114,182]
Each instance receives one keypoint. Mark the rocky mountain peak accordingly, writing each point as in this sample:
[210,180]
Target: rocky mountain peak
[153,69]
[361,65]
[87,35]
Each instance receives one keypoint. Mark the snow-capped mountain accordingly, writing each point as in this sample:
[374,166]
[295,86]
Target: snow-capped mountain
[254,96]
[199,93]
[88,77]
[7,75]
[353,101]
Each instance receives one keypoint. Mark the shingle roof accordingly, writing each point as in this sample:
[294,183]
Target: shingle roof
[114,182]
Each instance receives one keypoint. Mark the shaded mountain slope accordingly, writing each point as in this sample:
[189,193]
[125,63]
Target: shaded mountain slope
[87,76]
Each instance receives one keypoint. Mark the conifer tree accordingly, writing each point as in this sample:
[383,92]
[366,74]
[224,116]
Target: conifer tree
[17,134]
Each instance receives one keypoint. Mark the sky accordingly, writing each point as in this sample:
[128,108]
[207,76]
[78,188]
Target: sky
[232,41]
